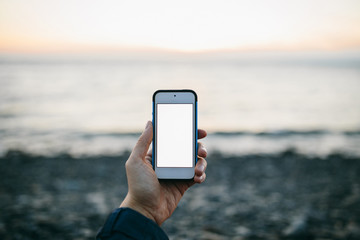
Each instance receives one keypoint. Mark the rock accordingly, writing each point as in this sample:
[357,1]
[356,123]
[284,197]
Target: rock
[297,227]
[242,231]
[353,230]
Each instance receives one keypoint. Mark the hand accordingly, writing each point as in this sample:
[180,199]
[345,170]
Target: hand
[156,199]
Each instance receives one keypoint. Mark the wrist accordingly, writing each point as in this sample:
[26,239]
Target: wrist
[130,203]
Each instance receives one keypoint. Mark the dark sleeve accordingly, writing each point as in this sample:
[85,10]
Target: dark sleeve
[125,223]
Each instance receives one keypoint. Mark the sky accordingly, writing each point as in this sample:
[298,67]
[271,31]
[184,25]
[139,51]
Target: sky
[186,25]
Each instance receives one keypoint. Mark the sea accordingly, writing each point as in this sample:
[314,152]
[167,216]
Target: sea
[249,102]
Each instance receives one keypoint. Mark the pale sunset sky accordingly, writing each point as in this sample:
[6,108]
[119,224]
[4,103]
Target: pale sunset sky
[186,25]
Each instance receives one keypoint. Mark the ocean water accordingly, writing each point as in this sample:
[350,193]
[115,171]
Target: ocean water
[250,103]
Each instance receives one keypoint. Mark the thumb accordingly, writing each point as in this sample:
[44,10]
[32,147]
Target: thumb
[141,148]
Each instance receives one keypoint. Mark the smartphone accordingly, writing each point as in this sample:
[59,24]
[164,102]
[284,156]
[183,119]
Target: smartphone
[175,134]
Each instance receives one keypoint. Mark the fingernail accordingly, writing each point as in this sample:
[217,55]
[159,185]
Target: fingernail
[201,168]
[148,124]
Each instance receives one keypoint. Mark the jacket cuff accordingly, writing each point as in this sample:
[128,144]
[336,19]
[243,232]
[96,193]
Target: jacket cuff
[132,224]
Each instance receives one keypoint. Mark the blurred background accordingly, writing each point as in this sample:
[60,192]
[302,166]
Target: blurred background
[272,77]
[78,76]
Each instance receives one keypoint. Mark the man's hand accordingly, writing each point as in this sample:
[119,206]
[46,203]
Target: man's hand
[156,199]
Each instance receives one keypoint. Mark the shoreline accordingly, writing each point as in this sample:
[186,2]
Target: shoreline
[314,143]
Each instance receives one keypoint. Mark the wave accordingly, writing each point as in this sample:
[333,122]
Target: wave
[285,133]
[310,143]
[18,154]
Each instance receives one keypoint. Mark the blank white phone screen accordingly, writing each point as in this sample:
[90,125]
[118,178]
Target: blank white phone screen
[174,145]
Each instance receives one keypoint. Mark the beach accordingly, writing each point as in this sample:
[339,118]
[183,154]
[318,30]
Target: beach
[275,196]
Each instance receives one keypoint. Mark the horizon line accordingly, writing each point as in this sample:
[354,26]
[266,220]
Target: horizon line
[171,51]
[77,48]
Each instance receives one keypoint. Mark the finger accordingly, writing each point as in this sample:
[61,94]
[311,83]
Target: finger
[200,179]
[144,142]
[201,133]
[200,167]
[201,150]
